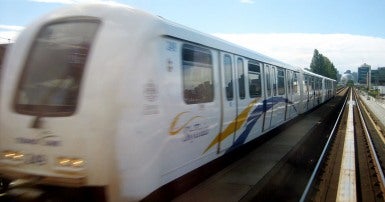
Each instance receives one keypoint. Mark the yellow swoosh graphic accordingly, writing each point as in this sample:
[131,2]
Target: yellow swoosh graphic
[172,130]
[233,126]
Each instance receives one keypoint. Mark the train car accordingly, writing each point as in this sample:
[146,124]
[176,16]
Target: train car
[312,88]
[117,103]
[328,89]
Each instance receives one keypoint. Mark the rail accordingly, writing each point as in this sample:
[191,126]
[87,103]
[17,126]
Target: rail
[377,166]
[367,157]
[323,154]
[346,190]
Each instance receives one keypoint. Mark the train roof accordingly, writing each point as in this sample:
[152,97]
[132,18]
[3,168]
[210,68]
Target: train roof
[120,12]
[315,74]
[182,32]
[189,34]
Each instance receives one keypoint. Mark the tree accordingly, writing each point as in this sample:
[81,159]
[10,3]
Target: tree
[322,65]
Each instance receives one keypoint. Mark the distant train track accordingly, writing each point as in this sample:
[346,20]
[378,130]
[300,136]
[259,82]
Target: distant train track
[368,160]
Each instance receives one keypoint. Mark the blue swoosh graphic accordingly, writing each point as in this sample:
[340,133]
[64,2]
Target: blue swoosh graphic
[253,118]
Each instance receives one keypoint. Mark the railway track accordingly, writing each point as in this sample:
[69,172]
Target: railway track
[354,176]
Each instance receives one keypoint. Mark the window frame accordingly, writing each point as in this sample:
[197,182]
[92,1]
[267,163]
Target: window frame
[208,88]
[228,68]
[281,81]
[53,110]
[241,81]
[259,77]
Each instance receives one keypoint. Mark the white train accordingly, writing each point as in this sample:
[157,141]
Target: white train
[111,99]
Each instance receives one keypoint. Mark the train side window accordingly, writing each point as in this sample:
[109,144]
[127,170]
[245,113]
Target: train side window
[228,77]
[268,83]
[306,84]
[274,80]
[310,83]
[318,83]
[197,74]
[254,79]
[289,81]
[281,81]
[241,79]
[295,83]
[313,83]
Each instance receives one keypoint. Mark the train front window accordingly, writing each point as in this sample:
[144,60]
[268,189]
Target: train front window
[50,81]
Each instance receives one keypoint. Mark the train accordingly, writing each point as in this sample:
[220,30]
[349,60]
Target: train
[118,103]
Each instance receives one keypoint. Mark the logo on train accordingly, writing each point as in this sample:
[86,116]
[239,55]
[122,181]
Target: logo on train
[192,127]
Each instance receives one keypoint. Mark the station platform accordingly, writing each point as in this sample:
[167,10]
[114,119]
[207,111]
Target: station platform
[238,181]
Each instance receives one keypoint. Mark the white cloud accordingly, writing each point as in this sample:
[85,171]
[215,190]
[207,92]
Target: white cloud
[247,1]
[54,1]
[11,27]
[347,52]
[77,1]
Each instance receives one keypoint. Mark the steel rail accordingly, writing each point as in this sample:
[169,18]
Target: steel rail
[347,183]
[377,166]
[323,154]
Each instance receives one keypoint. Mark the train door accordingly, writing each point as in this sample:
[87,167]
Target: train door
[255,119]
[279,98]
[229,102]
[234,103]
[241,102]
[268,96]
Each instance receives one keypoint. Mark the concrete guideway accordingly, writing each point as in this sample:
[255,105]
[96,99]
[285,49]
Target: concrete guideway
[347,179]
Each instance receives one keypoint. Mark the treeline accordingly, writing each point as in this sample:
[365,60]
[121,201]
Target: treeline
[323,66]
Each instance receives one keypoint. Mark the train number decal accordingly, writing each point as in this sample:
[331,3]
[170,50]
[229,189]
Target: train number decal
[35,159]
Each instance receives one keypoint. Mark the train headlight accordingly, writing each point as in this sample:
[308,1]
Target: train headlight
[13,157]
[62,161]
[66,163]
[77,163]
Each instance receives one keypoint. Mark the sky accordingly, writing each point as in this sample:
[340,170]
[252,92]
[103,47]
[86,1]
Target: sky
[348,32]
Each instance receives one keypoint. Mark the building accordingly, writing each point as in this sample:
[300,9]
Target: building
[378,76]
[363,73]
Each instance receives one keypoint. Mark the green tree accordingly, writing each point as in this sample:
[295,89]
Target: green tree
[322,65]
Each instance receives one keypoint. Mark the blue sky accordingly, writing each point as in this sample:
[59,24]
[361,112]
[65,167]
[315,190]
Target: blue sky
[288,30]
